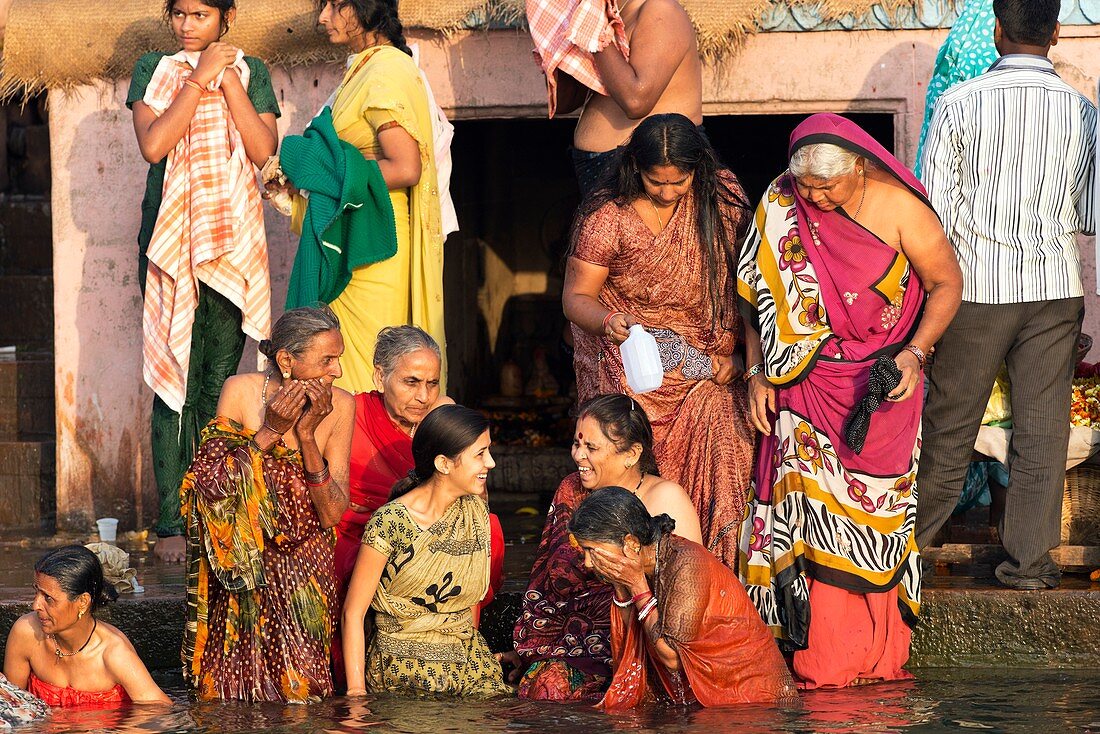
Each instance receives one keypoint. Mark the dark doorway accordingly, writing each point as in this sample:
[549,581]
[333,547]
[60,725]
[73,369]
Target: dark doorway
[515,193]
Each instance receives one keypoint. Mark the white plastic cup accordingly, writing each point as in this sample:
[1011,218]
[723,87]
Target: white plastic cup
[108,529]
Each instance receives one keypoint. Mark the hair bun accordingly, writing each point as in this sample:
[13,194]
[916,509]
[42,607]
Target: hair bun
[108,593]
[663,524]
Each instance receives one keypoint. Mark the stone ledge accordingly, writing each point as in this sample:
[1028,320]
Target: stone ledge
[960,628]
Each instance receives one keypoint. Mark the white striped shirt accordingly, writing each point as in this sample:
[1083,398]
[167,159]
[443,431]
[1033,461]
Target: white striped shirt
[1010,168]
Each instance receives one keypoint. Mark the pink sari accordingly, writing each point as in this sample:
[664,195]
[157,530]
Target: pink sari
[829,531]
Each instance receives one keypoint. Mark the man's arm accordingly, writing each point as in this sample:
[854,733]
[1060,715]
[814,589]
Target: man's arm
[1086,182]
[661,39]
[940,166]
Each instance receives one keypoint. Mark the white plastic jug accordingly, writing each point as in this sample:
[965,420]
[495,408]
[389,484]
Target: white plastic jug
[641,360]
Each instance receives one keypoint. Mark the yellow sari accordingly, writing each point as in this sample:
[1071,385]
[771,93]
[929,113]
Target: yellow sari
[424,638]
[383,86]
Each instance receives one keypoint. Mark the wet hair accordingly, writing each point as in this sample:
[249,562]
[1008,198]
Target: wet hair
[375,15]
[624,423]
[394,342]
[674,140]
[295,330]
[222,6]
[609,514]
[822,160]
[77,571]
[446,431]
[1028,22]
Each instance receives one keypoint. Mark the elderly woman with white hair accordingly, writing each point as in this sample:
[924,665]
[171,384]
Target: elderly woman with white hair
[848,279]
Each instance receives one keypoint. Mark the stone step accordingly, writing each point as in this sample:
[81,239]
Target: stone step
[525,469]
[974,628]
[26,237]
[27,398]
[28,311]
[27,480]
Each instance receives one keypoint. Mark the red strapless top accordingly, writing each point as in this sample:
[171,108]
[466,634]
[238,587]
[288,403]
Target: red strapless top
[70,697]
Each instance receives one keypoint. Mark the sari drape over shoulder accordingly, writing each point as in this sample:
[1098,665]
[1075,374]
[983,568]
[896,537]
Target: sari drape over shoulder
[260,581]
[829,298]
[563,633]
[702,434]
[726,653]
[424,638]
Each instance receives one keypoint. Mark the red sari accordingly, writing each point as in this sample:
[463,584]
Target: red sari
[727,654]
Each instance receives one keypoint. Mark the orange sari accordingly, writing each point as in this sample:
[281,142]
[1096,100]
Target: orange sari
[727,654]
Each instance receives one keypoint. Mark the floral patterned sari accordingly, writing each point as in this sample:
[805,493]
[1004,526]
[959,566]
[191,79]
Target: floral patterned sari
[260,578]
[829,298]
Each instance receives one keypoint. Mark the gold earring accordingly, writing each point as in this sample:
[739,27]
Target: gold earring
[286,374]
[80,614]
[630,465]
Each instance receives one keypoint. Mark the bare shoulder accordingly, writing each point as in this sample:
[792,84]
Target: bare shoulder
[342,400]
[666,493]
[664,11]
[26,629]
[117,647]
[443,400]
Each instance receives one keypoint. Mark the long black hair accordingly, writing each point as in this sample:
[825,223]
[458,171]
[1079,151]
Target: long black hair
[674,140]
[609,514]
[77,571]
[446,431]
[376,15]
[624,423]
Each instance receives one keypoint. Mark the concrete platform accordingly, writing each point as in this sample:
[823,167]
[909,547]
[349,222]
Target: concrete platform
[966,621]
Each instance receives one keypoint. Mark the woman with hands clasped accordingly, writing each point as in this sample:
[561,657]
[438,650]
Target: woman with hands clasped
[267,482]
[678,612]
[204,118]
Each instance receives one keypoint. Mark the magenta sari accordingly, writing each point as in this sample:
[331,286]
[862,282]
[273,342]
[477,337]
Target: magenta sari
[828,298]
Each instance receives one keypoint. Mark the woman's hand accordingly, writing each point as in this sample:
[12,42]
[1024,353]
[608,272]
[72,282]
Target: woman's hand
[274,186]
[286,407]
[511,658]
[214,60]
[909,365]
[761,403]
[624,572]
[724,368]
[618,326]
[319,394]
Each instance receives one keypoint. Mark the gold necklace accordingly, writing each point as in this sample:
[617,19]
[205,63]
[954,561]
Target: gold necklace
[861,196]
[657,213]
[57,648]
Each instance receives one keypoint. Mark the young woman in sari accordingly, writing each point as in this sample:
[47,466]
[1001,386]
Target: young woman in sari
[204,117]
[658,249]
[61,653]
[406,376]
[266,484]
[423,566]
[679,613]
[382,108]
[849,280]
[563,635]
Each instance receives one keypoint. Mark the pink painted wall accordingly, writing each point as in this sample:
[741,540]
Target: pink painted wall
[103,464]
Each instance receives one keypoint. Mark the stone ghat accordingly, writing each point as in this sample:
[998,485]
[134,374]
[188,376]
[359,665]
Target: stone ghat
[968,623]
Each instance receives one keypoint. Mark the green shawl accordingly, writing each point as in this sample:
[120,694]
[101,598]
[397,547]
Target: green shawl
[349,219]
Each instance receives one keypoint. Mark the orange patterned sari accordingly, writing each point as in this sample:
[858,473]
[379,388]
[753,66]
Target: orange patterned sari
[702,434]
[727,654]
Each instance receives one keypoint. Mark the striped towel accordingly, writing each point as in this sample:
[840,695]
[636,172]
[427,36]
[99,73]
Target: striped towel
[210,228]
[566,34]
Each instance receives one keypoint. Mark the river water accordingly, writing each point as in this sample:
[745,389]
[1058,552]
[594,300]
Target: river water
[940,700]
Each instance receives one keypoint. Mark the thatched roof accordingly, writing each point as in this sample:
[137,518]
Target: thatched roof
[59,43]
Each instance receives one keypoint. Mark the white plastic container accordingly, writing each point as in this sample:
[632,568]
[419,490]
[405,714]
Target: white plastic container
[108,529]
[641,360]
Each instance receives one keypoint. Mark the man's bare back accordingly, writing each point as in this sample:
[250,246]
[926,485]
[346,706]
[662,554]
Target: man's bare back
[664,74]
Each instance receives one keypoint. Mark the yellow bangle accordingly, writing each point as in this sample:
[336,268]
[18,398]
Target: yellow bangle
[196,85]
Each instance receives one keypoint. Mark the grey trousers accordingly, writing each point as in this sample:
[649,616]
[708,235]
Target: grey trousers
[1038,342]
